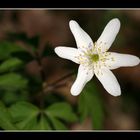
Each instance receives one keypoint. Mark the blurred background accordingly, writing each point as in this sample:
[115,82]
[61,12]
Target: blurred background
[39,32]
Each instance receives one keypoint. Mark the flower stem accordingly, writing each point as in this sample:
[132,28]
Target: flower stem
[43,77]
[57,83]
[62,78]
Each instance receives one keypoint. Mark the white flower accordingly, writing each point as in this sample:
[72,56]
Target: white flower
[94,58]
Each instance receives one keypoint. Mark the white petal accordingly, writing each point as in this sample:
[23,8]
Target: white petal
[116,60]
[109,34]
[83,76]
[109,81]
[67,53]
[83,40]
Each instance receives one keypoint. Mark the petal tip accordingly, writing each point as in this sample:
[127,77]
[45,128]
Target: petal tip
[118,94]
[138,61]
[116,21]
[72,23]
[74,92]
[56,50]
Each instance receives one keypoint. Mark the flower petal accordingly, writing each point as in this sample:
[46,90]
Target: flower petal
[116,60]
[108,35]
[83,76]
[109,81]
[67,53]
[83,40]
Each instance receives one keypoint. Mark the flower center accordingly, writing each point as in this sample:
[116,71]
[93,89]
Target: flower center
[94,57]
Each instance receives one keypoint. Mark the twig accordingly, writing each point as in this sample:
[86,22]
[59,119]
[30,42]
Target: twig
[51,88]
[62,78]
[42,74]
[57,84]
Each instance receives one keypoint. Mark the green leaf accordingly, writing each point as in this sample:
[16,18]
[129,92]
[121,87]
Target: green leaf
[27,124]
[58,112]
[7,48]
[5,118]
[24,115]
[82,107]
[33,41]
[10,97]
[10,64]
[90,104]
[43,124]
[62,111]
[12,81]
[21,110]
[58,125]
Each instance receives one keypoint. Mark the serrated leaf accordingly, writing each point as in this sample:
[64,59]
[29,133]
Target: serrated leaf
[58,125]
[7,48]
[90,104]
[62,111]
[10,64]
[12,81]
[5,118]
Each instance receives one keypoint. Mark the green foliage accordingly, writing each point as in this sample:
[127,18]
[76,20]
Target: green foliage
[13,53]
[57,124]
[26,116]
[53,98]
[7,48]
[9,97]
[19,89]
[43,123]
[5,118]
[10,65]
[62,111]
[12,81]
[21,110]
[34,41]
[90,104]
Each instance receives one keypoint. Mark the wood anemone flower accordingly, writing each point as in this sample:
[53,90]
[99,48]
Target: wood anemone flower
[93,58]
